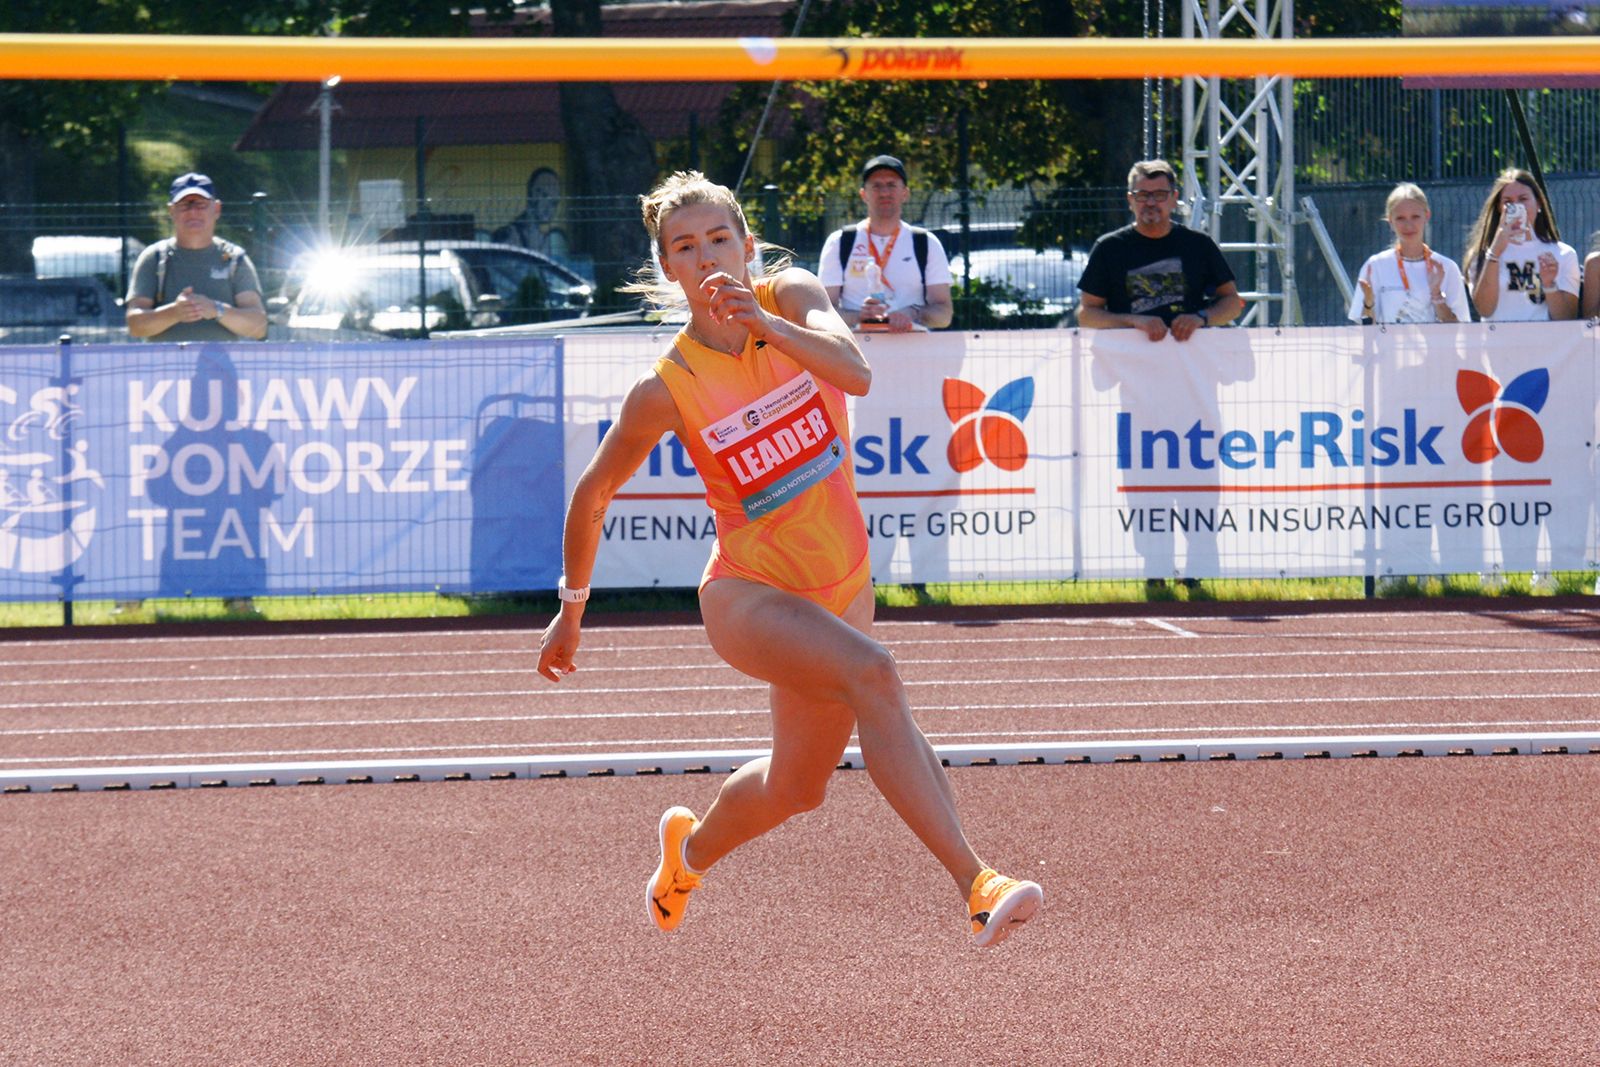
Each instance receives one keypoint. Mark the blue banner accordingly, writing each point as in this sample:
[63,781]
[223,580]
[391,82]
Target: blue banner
[130,471]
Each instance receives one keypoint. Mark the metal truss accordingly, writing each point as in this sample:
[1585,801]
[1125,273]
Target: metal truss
[1238,155]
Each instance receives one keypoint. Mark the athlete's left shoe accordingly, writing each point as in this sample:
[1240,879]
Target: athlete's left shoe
[999,905]
[667,895]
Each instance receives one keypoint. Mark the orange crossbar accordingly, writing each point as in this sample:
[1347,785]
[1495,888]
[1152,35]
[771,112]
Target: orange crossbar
[611,59]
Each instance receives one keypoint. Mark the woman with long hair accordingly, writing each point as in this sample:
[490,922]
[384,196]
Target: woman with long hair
[754,387]
[1518,268]
[1408,281]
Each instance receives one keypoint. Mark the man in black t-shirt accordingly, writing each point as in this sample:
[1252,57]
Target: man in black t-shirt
[1153,275]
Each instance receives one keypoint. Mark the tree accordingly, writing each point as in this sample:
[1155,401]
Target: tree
[1078,133]
[81,120]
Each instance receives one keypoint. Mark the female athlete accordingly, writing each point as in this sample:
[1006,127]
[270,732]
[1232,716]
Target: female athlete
[754,386]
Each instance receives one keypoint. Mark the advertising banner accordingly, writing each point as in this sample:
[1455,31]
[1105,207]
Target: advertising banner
[247,469]
[1240,453]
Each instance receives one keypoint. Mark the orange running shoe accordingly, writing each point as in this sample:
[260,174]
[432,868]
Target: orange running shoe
[667,895]
[999,905]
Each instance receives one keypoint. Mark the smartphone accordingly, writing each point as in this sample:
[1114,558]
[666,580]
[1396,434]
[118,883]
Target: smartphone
[1516,215]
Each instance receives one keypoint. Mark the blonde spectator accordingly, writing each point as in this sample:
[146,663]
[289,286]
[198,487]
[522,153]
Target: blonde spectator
[1408,281]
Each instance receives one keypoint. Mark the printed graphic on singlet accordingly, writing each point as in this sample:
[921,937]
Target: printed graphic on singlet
[777,447]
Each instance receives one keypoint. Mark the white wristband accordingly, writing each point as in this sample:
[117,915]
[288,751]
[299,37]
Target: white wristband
[571,596]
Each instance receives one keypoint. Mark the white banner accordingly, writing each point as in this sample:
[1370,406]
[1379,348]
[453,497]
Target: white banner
[1240,453]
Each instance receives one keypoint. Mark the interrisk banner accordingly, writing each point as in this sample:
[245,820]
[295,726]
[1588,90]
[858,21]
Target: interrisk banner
[1342,451]
[1240,453]
[250,469]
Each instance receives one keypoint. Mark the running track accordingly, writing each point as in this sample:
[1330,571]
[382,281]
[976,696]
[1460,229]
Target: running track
[1270,911]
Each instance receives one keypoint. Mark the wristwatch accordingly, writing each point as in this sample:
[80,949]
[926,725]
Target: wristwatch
[571,596]
[1203,316]
[222,308]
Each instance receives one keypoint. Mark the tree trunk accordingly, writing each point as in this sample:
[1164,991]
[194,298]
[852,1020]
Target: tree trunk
[17,194]
[611,161]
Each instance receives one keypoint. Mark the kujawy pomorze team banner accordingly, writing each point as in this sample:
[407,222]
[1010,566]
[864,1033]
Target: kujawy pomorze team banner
[246,469]
[1239,453]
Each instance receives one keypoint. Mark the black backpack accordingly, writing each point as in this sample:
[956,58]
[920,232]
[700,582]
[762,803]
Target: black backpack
[919,248]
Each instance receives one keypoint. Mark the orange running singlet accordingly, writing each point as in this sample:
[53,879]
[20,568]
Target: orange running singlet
[771,441]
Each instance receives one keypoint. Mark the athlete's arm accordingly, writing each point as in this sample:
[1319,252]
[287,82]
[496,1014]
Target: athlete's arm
[647,412]
[807,328]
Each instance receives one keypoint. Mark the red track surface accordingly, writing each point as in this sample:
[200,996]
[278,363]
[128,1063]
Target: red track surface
[1349,911]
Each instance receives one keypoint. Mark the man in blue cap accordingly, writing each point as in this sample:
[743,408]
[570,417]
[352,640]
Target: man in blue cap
[194,286]
[883,273]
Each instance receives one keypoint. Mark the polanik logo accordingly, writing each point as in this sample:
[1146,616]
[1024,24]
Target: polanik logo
[1502,419]
[988,428]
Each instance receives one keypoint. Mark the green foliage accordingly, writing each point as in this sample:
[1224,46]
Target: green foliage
[1068,134]
[987,304]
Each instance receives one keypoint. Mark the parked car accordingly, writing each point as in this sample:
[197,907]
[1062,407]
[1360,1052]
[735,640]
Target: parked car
[1038,284]
[40,310]
[459,285]
[79,256]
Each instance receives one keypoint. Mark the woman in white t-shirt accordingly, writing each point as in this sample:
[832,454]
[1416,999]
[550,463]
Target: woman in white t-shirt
[1518,267]
[1408,281]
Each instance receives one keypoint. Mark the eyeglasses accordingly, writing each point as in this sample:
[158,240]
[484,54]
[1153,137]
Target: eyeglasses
[1151,196]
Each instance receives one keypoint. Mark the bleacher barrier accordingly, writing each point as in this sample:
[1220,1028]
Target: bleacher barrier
[239,470]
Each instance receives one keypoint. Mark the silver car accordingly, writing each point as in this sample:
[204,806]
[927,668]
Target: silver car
[390,289]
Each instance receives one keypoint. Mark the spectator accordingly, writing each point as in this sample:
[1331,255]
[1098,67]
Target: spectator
[883,273]
[194,286]
[1409,282]
[1535,275]
[1591,286]
[1154,275]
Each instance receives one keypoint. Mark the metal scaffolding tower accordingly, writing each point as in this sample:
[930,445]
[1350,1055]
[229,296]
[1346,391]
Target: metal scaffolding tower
[1238,140]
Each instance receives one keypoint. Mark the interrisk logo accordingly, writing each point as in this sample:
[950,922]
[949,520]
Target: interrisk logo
[1501,420]
[988,429]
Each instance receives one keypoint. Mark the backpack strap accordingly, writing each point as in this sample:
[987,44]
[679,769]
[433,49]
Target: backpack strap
[847,243]
[163,253]
[919,246]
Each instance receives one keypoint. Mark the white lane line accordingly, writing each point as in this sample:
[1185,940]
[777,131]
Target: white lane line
[84,683]
[1079,658]
[1171,627]
[965,639]
[621,690]
[717,713]
[749,740]
[525,637]
[528,632]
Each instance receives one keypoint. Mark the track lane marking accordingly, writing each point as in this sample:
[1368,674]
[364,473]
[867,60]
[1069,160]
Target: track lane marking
[313,698]
[677,744]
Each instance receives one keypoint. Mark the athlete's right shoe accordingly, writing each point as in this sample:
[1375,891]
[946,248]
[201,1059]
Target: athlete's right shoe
[667,895]
[998,905]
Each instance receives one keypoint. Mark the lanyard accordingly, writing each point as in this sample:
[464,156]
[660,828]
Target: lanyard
[883,260]
[1399,261]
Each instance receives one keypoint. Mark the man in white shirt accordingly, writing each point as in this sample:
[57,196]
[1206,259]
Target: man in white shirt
[891,276]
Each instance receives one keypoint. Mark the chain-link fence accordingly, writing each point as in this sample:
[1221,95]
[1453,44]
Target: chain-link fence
[1015,262]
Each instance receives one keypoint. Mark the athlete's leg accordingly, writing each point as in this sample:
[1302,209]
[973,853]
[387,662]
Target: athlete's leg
[801,648]
[808,740]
